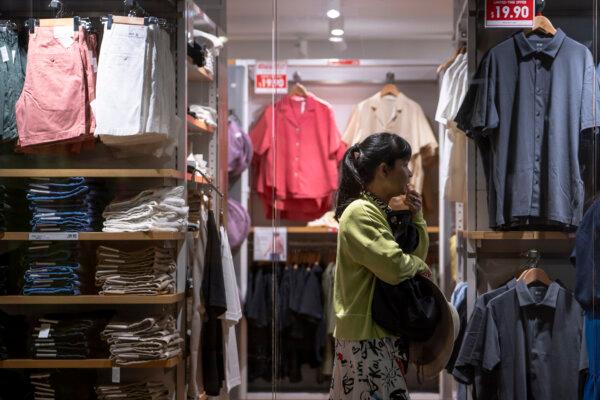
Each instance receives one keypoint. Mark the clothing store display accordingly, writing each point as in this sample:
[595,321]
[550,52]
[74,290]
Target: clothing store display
[65,205]
[62,385]
[239,148]
[69,336]
[135,102]
[372,368]
[586,259]
[453,158]
[231,317]
[133,391]
[12,77]
[197,53]
[592,327]
[159,209]
[59,86]
[143,272]
[530,101]
[238,223]
[309,148]
[195,163]
[399,115]
[205,113]
[134,341]
[363,225]
[530,330]
[215,304]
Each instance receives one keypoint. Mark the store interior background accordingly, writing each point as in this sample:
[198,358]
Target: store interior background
[409,39]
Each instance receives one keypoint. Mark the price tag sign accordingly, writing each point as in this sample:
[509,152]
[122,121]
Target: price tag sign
[45,236]
[270,77]
[509,13]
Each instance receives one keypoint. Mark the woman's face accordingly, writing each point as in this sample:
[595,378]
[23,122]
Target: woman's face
[399,177]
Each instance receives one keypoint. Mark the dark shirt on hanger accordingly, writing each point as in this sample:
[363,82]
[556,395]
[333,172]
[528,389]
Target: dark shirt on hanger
[526,108]
[534,338]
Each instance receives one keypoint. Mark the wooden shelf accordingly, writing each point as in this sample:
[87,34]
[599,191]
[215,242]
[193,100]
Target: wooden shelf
[198,74]
[517,235]
[195,178]
[92,299]
[82,364]
[101,236]
[90,173]
[326,230]
[198,125]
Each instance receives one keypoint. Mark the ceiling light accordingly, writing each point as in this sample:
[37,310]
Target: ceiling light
[336,26]
[334,9]
[336,39]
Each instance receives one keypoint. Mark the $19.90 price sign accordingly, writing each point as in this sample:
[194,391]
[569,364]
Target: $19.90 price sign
[509,13]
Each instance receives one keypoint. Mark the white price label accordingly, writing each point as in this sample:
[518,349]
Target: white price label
[14,55]
[44,331]
[116,375]
[37,236]
[4,54]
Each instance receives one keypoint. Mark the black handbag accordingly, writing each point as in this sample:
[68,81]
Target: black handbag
[408,309]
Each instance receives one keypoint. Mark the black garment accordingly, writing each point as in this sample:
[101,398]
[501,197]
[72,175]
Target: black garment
[534,338]
[213,294]
[14,385]
[527,107]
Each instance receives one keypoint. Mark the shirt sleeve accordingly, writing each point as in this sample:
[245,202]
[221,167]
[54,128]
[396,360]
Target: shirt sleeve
[470,355]
[260,134]
[478,112]
[423,247]
[335,137]
[427,139]
[352,127]
[491,346]
[590,91]
[374,247]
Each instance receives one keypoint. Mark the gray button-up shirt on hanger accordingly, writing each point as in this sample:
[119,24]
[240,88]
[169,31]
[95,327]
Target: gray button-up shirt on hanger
[534,338]
[527,106]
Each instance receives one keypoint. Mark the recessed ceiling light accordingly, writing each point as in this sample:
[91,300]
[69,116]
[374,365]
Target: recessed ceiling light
[334,9]
[336,26]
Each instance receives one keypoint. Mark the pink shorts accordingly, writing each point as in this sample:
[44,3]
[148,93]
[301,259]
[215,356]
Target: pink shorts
[54,104]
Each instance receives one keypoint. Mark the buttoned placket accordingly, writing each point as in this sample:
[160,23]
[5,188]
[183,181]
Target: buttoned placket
[539,115]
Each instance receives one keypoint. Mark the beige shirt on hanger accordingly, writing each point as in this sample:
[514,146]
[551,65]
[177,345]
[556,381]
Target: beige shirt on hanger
[399,115]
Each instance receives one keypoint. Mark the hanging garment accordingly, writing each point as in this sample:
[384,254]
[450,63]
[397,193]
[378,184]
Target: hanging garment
[529,331]
[55,103]
[12,77]
[453,159]
[239,149]
[399,115]
[530,101]
[304,157]
[135,106]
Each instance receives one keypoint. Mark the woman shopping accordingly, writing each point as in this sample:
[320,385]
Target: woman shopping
[370,362]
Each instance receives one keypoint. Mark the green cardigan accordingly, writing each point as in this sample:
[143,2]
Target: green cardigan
[367,250]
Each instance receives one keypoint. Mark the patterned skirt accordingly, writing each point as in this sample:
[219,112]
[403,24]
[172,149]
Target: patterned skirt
[369,370]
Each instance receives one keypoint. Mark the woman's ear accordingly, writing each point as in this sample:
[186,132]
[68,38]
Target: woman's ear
[384,169]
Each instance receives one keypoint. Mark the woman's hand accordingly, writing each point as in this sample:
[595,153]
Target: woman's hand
[413,201]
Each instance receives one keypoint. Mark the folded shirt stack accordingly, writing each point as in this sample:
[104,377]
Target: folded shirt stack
[53,268]
[142,272]
[64,385]
[69,337]
[159,209]
[137,341]
[133,391]
[64,205]
[195,202]
[207,114]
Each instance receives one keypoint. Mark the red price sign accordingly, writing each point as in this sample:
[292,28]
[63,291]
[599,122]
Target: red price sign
[270,78]
[509,13]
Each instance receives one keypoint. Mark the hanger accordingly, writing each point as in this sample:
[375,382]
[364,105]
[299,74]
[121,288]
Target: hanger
[541,23]
[390,87]
[532,273]
[297,89]
[460,50]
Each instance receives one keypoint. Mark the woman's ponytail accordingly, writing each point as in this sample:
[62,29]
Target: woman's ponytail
[351,184]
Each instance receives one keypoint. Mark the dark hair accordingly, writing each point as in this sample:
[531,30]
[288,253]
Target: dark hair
[360,162]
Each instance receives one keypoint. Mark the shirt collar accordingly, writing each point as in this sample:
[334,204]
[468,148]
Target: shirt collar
[526,299]
[378,202]
[286,103]
[551,48]
[376,100]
